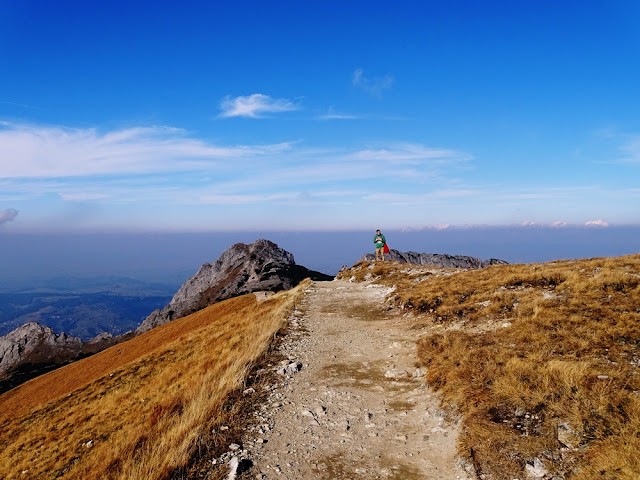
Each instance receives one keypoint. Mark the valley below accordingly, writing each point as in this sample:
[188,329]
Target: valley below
[83,315]
[82,307]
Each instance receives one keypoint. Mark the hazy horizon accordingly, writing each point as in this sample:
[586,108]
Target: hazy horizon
[171,258]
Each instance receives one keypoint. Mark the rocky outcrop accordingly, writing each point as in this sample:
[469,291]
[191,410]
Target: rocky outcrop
[242,269]
[102,341]
[436,259]
[34,344]
[34,349]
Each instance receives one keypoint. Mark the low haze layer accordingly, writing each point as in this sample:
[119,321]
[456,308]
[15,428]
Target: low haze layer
[40,260]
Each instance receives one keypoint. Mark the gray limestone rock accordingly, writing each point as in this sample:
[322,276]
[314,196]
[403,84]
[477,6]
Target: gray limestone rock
[33,349]
[34,344]
[242,269]
[436,259]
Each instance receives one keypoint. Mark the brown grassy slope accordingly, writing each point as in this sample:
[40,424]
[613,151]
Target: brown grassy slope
[532,356]
[138,410]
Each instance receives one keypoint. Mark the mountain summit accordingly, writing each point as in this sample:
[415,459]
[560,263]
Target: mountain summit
[242,269]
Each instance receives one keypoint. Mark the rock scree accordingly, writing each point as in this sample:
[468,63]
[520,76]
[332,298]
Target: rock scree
[351,403]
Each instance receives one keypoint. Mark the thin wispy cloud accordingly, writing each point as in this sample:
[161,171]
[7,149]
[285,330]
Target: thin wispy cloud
[627,145]
[421,228]
[152,169]
[411,154]
[7,215]
[419,198]
[255,106]
[537,192]
[145,166]
[408,163]
[46,153]
[374,86]
[245,199]
[20,105]
[631,150]
[557,224]
[332,114]
[83,196]
[293,194]
[42,151]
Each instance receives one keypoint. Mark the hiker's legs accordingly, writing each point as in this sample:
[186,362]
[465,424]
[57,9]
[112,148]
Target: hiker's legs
[379,251]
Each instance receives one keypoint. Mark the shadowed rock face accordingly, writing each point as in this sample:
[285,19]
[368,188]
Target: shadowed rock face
[436,259]
[242,269]
[34,343]
[31,350]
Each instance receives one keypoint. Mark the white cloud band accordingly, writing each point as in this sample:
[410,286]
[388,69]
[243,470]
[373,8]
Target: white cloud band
[37,151]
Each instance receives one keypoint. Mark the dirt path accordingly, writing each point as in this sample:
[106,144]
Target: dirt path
[358,408]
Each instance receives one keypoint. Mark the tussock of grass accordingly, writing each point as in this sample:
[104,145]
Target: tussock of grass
[144,408]
[527,352]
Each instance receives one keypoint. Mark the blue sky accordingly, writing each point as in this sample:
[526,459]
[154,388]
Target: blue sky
[313,115]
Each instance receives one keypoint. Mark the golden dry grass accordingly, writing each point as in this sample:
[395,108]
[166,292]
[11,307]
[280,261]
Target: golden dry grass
[141,409]
[524,352]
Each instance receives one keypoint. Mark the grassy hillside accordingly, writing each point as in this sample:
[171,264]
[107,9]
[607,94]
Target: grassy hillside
[542,361]
[141,409]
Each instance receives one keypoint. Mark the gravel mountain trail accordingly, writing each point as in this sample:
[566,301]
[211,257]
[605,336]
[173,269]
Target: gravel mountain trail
[351,404]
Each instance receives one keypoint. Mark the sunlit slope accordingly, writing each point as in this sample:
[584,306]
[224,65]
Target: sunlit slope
[541,360]
[140,408]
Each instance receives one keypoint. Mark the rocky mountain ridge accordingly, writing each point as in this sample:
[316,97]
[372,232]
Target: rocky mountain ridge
[241,269]
[436,259]
[33,349]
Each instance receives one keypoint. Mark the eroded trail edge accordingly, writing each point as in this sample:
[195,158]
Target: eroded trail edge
[352,403]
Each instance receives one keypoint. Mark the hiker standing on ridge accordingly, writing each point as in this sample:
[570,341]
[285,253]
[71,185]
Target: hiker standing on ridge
[380,242]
